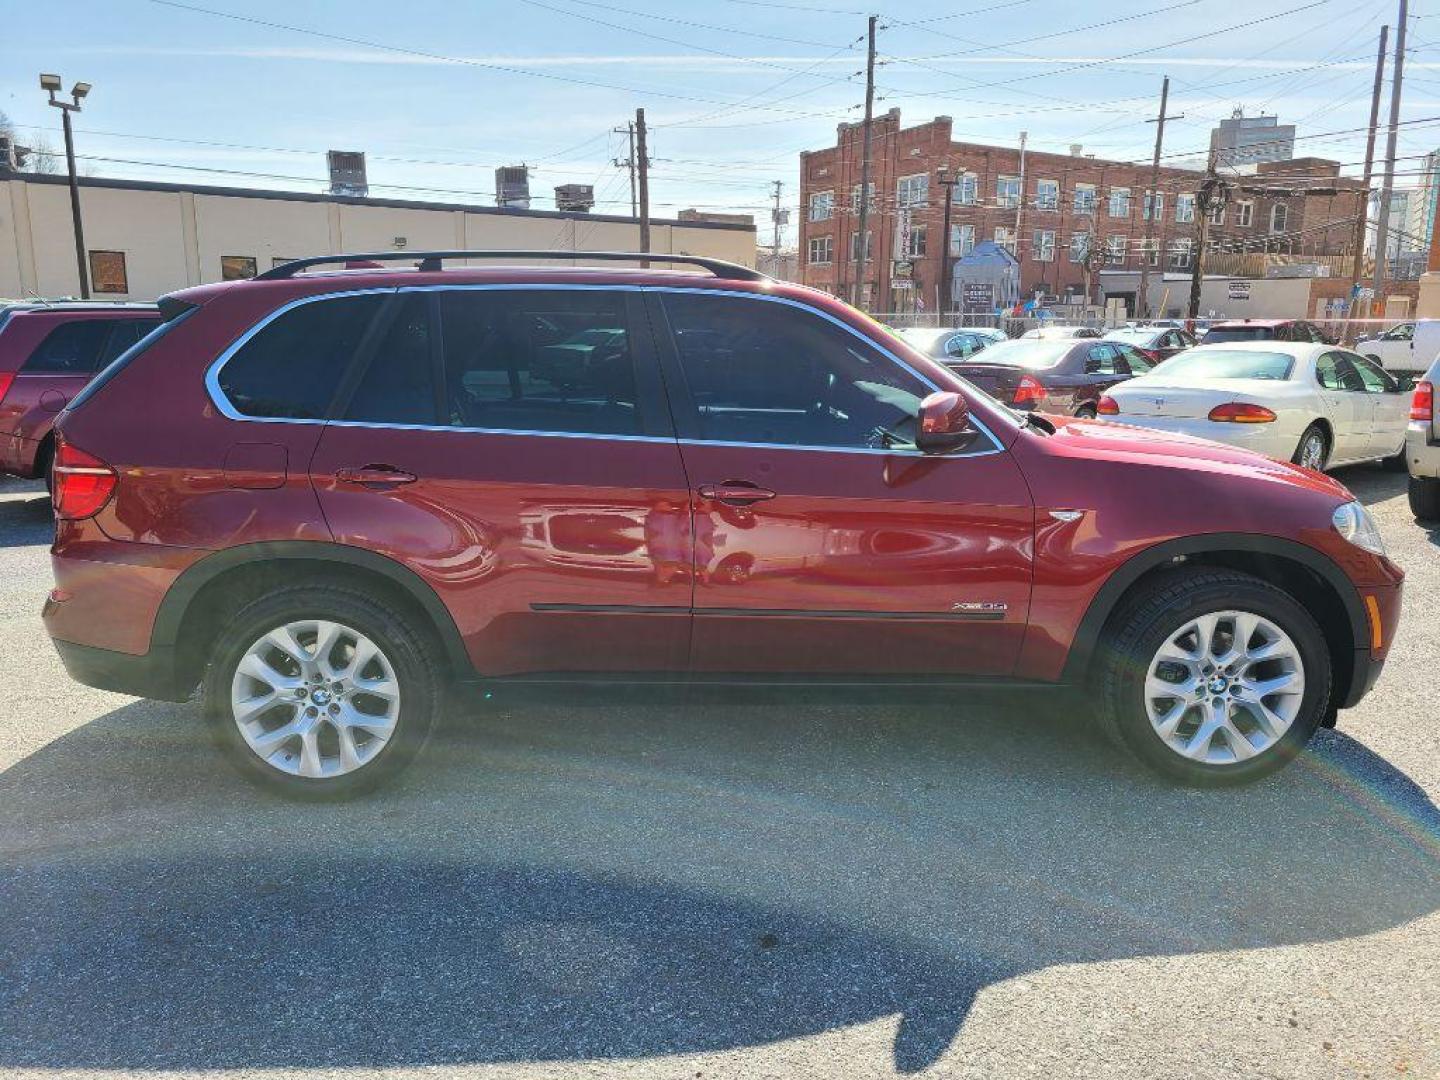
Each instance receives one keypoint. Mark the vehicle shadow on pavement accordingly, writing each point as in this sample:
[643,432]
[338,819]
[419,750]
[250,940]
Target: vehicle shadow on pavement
[25,521]
[558,883]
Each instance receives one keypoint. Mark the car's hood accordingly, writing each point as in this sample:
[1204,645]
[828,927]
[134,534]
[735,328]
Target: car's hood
[1138,445]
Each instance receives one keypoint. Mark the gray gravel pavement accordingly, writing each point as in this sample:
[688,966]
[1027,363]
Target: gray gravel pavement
[676,889]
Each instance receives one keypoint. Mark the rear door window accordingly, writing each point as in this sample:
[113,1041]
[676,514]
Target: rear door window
[289,369]
[72,348]
[398,386]
[545,360]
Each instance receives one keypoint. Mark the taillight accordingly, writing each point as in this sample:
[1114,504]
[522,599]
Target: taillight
[1422,405]
[6,378]
[1108,406]
[1029,391]
[1242,412]
[83,483]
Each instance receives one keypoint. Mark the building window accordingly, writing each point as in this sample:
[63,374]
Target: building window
[967,192]
[237,267]
[1084,198]
[822,249]
[1007,192]
[1150,251]
[855,198]
[962,239]
[107,272]
[1047,194]
[1005,237]
[1044,245]
[1157,198]
[1079,246]
[913,190]
[915,248]
[1181,251]
[1115,250]
[869,245]
[1216,214]
[1245,213]
[1120,202]
[1184,208]
[1279,218]
[822,205]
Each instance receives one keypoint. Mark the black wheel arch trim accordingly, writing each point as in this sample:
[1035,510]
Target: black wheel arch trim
[171,616]
[1087,635]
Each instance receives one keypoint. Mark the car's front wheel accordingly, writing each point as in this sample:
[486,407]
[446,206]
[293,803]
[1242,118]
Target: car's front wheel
[318,692]
[1213,677]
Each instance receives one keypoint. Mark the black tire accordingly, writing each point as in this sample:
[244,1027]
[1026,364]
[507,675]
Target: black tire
[408,649]
[1313,431]
[1085,412]
[1425,498]
[44,465]
[1161,607]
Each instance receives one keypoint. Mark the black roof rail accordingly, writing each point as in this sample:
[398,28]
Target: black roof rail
[433,260]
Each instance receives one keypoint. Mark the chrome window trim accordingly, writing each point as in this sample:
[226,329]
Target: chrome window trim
[226,409]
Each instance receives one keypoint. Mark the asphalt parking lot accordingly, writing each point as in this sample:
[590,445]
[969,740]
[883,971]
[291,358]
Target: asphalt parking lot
[971,888]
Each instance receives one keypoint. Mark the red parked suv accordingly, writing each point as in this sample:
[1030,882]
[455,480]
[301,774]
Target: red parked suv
[48,352]
[328,496]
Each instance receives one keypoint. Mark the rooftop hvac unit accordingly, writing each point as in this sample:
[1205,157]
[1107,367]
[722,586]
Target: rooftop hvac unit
[579,197]
[347,173]
[512,187]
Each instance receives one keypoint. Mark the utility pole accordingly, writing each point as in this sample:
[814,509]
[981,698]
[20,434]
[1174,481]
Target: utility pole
[947,264]
[1358,265]
[1212,192]
[642,168]
[1142,302]
[864,218]
[775,223]
[1387,189]
[1020,209]
[629,163]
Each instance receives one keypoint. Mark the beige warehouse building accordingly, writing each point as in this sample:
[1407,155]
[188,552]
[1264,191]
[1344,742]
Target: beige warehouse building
[145,239]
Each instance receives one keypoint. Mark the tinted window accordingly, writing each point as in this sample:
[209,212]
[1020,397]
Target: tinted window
[1241,333]
[1031,353]
[763,372]
[399,385]
[126,332]
[291,367]
[539,360]
[72,348]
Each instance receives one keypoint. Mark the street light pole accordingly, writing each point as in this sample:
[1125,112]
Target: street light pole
[51,83]
[947,268]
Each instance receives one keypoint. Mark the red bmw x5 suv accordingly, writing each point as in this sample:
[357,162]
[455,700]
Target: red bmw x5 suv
[325,497]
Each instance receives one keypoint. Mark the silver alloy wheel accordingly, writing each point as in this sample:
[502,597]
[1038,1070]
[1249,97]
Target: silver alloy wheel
[1312,450]
[315,699]
[1224,687]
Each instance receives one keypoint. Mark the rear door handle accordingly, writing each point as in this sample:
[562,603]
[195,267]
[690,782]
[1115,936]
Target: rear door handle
[374,475]
[735,492]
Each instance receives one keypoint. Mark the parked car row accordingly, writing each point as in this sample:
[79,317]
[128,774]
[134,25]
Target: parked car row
[372,485]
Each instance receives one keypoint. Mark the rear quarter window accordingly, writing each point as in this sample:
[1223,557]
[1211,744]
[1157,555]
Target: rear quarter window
[290,368]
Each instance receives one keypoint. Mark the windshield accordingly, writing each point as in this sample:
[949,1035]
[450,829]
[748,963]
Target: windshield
[1027,354]
[1139,337]
[1238,333]
[1207,364]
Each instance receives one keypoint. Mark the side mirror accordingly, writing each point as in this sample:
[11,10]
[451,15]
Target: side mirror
[943,423]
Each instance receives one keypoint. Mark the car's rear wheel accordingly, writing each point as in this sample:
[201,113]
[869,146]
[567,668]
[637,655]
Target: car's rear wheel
[317,692]
[1425,497]
[1313,449]
[1213,677]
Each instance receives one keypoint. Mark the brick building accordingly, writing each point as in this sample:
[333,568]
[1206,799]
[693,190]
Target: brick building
[1071,204]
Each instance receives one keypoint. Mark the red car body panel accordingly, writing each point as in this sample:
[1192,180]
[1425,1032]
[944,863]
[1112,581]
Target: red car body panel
[570,554]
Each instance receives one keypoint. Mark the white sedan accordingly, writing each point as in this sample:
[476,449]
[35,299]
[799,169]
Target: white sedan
[1314,404]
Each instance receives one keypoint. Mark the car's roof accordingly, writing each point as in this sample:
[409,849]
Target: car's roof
[76,305]
[1226,324]
[1299,349]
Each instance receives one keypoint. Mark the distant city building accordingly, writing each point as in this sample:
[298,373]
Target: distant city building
[1405,231]
[1249,140]
[718,219]
[1422,208]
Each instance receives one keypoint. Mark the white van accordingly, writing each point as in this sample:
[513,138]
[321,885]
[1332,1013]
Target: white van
[1406,348]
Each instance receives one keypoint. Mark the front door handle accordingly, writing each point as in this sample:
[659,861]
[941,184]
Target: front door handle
[374,476]
[735,492]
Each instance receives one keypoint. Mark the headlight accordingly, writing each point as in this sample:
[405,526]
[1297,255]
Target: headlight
[1354,523]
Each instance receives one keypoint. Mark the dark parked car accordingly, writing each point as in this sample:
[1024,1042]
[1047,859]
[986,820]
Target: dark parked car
[1266,330]
[1155,342]
[1065,377]
[364,493]
[48,352]
[947,345]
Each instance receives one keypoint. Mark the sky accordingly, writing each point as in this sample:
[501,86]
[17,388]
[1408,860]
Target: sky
[438,94]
